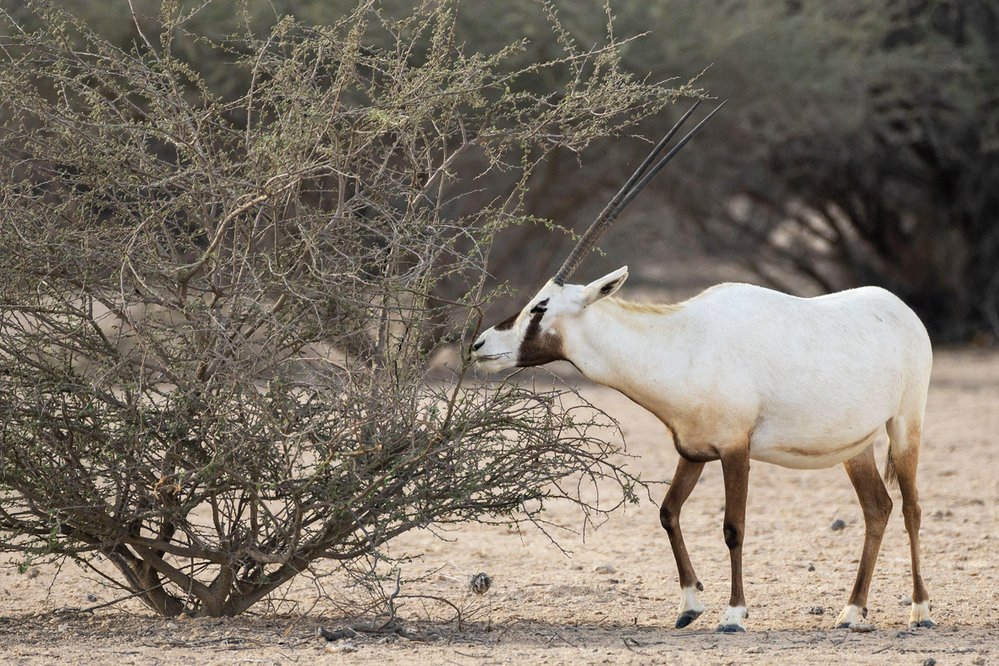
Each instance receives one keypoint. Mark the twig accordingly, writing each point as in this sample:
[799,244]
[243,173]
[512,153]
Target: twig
[91,609]
[556,634]
[457,610]
[629,642]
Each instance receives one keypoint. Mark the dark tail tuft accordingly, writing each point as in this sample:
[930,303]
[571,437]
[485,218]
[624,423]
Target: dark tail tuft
[890,476]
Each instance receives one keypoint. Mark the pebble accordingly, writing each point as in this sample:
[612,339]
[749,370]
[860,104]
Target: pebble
[837,525]
[91,597]
[480,583]
[604,569]
[861,628]
[816,610]
[341,648]
[930,662]
[811,567]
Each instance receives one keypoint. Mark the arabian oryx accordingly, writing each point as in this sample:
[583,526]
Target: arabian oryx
[742,373]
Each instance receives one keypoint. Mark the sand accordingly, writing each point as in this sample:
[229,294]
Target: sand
[613,599]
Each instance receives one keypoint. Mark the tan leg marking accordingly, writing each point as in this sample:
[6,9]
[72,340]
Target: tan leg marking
[735,470]
[905,456]
[876,505]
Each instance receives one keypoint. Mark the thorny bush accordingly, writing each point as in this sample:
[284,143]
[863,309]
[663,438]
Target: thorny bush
[218,313]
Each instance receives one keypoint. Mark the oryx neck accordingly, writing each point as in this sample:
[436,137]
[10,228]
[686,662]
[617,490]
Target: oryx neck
[612,338]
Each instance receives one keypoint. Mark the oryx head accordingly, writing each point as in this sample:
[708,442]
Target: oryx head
[533,336]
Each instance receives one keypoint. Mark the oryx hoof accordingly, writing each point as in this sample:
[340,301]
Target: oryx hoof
[920,616]
[731,629]
[686,618]
[852,614]
[731,620]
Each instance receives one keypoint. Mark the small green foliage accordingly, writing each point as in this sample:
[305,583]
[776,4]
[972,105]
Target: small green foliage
[25,564]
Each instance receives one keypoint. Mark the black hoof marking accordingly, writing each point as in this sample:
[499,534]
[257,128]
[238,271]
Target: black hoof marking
[925,624]
[686,618]
[730,629]
[699,586]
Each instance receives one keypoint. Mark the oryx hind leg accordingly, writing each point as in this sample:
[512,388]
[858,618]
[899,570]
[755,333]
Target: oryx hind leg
[684,480]
[905,435]
[876,505]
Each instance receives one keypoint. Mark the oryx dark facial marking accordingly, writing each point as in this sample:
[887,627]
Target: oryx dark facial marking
[507,323]
[539,348]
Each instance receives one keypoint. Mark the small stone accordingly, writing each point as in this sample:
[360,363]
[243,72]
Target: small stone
[172,626]
[837,525]
[811,567]
[816,610]
[755,650]
[861,627]
[91,597]
[604,569]
[341,648]
[480,583]
[930,662]
[613,581]
[62,628]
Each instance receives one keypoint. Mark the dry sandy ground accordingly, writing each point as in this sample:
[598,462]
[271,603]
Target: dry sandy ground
[613,600]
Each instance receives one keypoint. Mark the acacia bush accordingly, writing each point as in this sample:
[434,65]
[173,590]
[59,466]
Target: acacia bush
[218,311]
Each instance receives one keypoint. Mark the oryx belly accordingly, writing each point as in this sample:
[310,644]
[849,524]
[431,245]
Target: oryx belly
[800,453]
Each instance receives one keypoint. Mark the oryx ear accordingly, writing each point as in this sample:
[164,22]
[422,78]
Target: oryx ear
[605,286]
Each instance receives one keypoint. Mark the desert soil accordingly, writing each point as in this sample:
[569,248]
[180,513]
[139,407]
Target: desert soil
[613,599]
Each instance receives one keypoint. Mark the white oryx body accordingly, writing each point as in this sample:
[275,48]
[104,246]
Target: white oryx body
[806,382]
[742,372]
[738,373]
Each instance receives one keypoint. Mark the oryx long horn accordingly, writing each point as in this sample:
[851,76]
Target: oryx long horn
[628,192]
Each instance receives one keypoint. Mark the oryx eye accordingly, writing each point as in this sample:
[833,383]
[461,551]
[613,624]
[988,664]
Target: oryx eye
[540,307]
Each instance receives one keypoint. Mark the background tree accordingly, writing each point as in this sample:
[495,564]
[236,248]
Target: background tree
[219,303]
[863,150]
[859,145]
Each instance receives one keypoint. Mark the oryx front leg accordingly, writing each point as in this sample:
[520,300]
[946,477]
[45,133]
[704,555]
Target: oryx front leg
[680,487]
[735,470]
